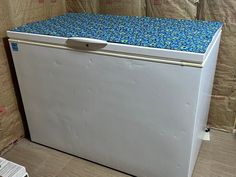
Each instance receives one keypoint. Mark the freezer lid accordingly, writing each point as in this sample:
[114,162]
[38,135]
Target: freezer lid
[186,40]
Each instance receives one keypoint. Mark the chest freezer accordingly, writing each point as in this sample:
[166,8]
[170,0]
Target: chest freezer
[130,93]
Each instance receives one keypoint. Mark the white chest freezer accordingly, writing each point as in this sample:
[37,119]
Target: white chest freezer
[131,93]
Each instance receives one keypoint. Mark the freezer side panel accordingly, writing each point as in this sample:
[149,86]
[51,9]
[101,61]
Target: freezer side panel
[204,99]
[134,116]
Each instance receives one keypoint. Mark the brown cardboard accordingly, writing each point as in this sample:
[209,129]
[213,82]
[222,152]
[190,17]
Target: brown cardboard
[10,120]
[27,11]
[116,7]
[123,7]
[222,114]
[5,23]
[15,13]
[225,80]
[172,9]
[91,6]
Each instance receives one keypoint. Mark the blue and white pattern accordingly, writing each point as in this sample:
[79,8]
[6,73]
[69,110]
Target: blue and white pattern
[174,34]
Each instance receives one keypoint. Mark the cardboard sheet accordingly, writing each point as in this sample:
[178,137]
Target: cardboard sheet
[123,7]
[172,9]
[91,6]
[116,7]
[222,113]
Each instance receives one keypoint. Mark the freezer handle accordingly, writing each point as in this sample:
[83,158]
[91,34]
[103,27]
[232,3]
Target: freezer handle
[86,43]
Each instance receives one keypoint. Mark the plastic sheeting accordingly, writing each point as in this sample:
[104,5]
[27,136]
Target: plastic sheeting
[223,105]
[15,13]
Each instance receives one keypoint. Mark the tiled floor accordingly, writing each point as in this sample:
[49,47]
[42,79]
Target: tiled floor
[217,159]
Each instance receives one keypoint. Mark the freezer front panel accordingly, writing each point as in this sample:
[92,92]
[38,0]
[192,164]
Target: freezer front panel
[134,116]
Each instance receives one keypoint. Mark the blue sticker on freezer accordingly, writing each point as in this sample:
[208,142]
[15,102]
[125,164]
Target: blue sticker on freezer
[14,47]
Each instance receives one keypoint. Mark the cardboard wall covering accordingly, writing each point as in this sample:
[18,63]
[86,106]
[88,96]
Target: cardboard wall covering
[116,7]
[91,6]
[172,9]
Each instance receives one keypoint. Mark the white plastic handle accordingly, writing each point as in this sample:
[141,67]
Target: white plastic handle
[86,43]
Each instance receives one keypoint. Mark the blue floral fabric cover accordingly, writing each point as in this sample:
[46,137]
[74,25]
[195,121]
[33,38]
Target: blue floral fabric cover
[175,34]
